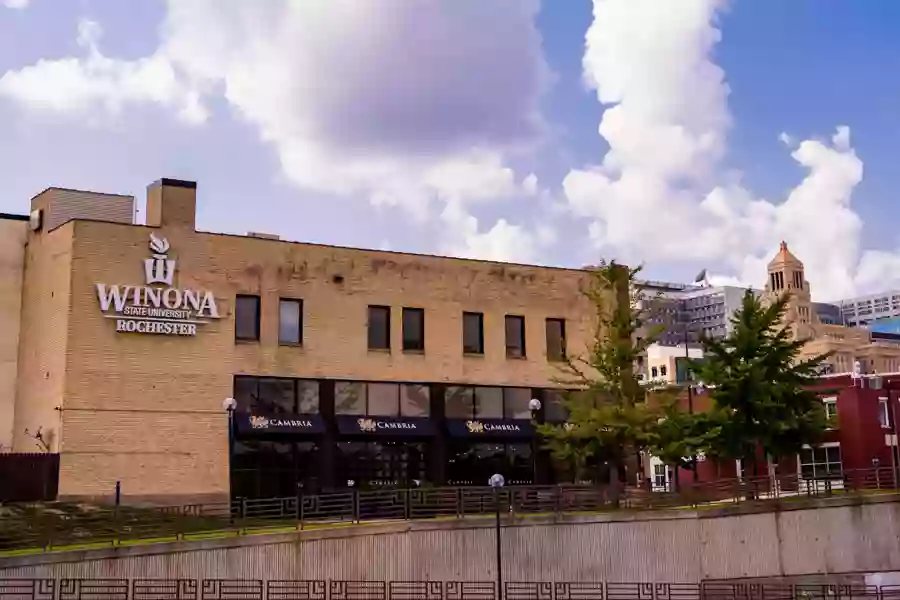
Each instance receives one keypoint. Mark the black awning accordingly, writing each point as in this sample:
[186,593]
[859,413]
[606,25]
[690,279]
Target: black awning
[257,424]
[490,428]
[385,426]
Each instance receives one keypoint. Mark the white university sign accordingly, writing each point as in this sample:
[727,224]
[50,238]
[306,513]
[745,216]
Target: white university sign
[157,307]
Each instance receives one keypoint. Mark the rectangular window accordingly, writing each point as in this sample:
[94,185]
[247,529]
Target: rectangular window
[413,329]
[290,321]
[246,391]
[821,462]
[515,336]
[349,398]
[831,411]
[415,400]
[555,410]
[276,396]
[459,402]
[489,403]
[379,328]
[556,339]
[307,397]
[473,333]
[515,403]
[884,417]
[383,399]
[246,318]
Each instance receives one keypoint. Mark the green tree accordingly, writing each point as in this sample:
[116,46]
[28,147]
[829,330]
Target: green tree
[678,436]
[759,385]
[609,418]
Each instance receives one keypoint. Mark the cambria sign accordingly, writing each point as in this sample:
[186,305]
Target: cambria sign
[252,423]
[490,427]
[157,307]
[385,426]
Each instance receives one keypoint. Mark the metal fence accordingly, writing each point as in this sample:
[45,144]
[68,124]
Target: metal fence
[255,589]
[58,526]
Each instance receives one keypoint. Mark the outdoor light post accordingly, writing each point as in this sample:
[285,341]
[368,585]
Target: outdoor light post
[496,481]
[534,406]
[228,405]
[690,387]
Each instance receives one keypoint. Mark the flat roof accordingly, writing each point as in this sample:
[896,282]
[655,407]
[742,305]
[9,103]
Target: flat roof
[572,270]
[12,217]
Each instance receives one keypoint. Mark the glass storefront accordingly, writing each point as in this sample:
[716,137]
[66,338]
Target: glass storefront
[274,469]
[318,436]
[382,464]
[471,463]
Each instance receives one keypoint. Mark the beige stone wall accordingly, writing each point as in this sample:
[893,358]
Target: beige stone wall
[676,546]
[12,263]
[42,339]
[146,409]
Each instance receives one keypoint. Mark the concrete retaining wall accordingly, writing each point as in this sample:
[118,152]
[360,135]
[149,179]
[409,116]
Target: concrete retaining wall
[840,536]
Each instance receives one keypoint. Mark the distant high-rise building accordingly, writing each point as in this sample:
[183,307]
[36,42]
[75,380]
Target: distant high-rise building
[862,311]
[685,312]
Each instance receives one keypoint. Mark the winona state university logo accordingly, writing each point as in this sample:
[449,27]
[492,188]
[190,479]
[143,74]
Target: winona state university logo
[157,307]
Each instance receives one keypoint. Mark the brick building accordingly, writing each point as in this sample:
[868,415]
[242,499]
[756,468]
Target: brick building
[864,409]
[347,367]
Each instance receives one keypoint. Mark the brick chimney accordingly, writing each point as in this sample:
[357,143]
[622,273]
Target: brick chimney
[172,203]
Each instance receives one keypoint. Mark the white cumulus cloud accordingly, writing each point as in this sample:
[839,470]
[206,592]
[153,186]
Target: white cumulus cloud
[409,104]
[76,86]
[662,193]
[18,4]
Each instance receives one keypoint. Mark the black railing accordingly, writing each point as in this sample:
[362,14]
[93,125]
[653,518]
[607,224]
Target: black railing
[257,589]
[61,526]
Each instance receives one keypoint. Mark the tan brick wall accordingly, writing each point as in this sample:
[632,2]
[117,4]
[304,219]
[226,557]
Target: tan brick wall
[12,263]
[146,409]
[42,338]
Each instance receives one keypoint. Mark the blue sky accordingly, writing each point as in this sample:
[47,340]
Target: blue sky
[471,128]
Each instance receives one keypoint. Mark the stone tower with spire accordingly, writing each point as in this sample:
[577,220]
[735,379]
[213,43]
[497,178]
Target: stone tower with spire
[786,276]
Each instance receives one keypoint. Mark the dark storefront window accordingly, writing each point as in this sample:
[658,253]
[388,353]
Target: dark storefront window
[556,339]
[290,321]
[350,398]
[515,403]
[515,336]
[381,399]
[415,400]
[473,464]
[307,397]
[379,328]
[384,399]
[274,396]
[473,333]
[246,318]
[413,329]
[487,403]
[273,469]
[555,410]
[373,465]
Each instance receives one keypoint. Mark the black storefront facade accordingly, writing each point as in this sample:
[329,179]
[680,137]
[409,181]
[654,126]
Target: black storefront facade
[317,436]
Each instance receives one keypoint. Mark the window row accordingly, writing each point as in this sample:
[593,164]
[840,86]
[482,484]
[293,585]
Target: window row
[290,328]
[829,405]
[275,395]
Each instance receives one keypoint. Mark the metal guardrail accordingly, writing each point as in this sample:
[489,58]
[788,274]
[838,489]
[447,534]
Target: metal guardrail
[257,589]
[58,526]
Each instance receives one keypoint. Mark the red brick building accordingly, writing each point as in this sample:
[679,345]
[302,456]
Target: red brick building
[864,435]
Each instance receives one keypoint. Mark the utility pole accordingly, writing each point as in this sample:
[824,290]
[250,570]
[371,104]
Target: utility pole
[690,388]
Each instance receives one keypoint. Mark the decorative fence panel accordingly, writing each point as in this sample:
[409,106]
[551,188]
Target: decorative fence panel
[255,589]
